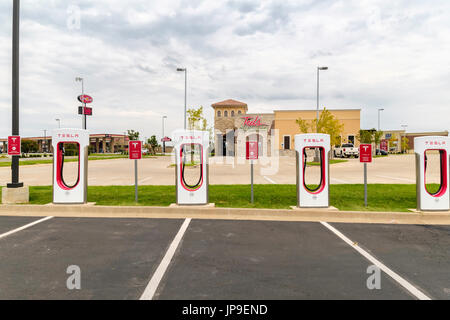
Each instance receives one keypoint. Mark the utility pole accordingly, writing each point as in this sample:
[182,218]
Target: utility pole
[15,93]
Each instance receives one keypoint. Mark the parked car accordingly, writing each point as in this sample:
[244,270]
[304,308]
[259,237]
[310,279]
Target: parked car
[347,150]
[381,152]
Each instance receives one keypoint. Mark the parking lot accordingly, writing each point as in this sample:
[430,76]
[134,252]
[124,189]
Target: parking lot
[125,258]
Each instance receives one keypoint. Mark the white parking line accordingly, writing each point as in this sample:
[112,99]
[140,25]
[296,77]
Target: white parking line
[270,180]
[338,180]
[400,179]
[145,179]
[150,290]
[408,286]
[4,235]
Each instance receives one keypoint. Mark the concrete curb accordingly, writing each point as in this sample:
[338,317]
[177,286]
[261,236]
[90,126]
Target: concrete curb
[315,215]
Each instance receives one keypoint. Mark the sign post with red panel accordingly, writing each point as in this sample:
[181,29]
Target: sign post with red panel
[14,146]
[135,153]
[251,153]
[365,156]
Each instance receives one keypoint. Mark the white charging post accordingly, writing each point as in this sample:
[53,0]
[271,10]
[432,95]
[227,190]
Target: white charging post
[318,196]
[438,147]
[64,193]
[191,149]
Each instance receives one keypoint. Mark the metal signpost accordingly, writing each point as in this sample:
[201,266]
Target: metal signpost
[85,111]
[252,154]
[365,156]
[135,153]
[15,93]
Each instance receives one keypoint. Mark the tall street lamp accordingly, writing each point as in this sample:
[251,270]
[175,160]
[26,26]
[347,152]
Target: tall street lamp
[59,123]
[164,142]
[83,119]
[15,93]
[318,69]
[379,110]
[185,92]
[316,157]
[44,146]
[404,126]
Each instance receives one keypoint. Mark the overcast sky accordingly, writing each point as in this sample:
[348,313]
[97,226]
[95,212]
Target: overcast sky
[381,54]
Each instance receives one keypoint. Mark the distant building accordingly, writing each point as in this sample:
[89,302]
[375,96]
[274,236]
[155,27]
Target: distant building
[234,126]
[396,136]
[99,143]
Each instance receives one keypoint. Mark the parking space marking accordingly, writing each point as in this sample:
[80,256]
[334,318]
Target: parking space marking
[400,179]
[404,283]
[145,179]
[4,235]
[270,180]
[338,180]
[152,286]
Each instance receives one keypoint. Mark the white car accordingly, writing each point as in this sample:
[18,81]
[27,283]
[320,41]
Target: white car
[347,150]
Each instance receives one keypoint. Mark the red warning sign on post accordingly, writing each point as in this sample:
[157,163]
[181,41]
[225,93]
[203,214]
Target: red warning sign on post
[135,150]
[252,150]
[365,153]
[14,145]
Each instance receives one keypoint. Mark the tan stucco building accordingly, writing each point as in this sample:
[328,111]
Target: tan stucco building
[273,131]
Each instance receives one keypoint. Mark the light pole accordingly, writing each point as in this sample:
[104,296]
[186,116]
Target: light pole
[185,92]
[15,93]
[83,119]
[379,110]
[44,147]
[164,142]
[316,157]
[317,121]
[404,126]
[59,123]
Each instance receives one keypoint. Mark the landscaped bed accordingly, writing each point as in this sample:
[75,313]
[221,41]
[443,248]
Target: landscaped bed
[349,197]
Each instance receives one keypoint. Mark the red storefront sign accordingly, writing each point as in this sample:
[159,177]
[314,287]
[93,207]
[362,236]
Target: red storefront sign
[135,150]
[252,150]
[14,145]
[253,122]
[365,153]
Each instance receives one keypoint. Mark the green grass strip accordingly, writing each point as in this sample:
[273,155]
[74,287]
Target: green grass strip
[349,197]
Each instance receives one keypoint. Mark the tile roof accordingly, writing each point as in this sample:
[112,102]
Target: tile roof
[229,103]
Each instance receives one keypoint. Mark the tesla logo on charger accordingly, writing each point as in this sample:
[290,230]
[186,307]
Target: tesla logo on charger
[14,145]
[68,135]
[435,143]
[135,150]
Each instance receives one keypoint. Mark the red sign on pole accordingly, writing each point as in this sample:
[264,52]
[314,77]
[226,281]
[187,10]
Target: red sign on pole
[365,153]
[384,145]
[14,145]
[85,98]
[135,150]
[252,150]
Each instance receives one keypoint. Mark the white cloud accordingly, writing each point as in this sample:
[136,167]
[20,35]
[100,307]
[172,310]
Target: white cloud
[386,54]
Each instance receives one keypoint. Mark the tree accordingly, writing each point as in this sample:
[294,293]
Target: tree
[133,135]
[196,121]
[405,144]
[152,144]
[28,146]
[327,124]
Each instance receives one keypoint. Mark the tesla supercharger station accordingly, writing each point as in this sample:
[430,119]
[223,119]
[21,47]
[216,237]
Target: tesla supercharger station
[312,196]
[63,192]
[191,159]
[424,147]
